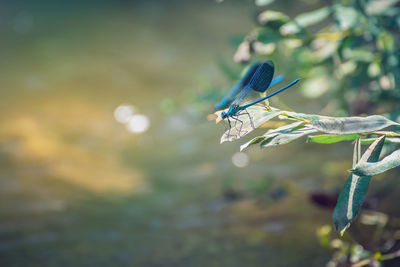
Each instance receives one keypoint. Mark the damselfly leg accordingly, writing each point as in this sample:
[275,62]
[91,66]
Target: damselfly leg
[250,119]
[235,117]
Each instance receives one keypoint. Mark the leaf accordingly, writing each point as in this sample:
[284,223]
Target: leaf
[287,137]
[272,133]
[378,7]
[389,162]
[335,138]
[359,55]
[304,20]
[313,17]
[273,19]
[324,49]
[368,141]
[303,116]
[353,193]
[243,52]
[259,115]
[332,138]
[347,17]
[357,152]
[385,41]
[264,2]
[351,125]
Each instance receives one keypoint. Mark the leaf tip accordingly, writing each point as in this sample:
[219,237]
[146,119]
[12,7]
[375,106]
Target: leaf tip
[344,229]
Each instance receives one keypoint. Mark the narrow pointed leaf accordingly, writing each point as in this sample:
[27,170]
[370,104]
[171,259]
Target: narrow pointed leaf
[356,152]
[379,7]
[374,150]
[351,125]
[313,17]
[353,193]
[368,141]
[272,18]
[304,20]
[272,133]
[264,2]
[303,116]
[331,138]
[285,138]
[389,162]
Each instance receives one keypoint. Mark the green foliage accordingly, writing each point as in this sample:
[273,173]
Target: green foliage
[368,168]
[349,51]
[332,138]
[330,130]
[353,193]
[349,54]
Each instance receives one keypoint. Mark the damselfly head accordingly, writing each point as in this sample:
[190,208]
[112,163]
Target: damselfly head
[224,115]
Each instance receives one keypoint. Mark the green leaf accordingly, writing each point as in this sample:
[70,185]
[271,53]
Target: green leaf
[304,20]
[353,193]
[351,125]
[253,141]
[358,55]
[285,138]
[259,115]
[272,133]
[385,41]
[303,116]
[332,138]
[368,141]
[347,17]
[264,2]
[357,152]
[273,19]
[389,162]
[313,17]
[324,49]
[378,7]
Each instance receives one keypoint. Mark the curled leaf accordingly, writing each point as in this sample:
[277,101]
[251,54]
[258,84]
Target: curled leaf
[353,193]
[285,138]
[272,133]
[389,162]
[351,125]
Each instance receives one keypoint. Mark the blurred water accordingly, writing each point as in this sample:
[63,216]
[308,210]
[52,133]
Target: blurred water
[78,187]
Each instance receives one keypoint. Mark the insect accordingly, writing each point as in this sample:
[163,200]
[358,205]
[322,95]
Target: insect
[259,82]
[228,99]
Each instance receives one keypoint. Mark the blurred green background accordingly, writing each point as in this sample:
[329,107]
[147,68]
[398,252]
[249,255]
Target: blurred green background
[106,158]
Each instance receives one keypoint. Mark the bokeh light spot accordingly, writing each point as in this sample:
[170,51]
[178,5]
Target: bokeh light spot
[240,159]
[138,124]
[123,113]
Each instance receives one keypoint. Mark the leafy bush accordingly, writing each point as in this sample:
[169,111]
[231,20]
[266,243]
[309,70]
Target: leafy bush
[328,130]
[349,51]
